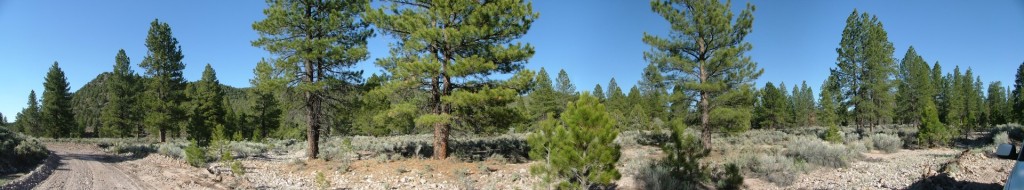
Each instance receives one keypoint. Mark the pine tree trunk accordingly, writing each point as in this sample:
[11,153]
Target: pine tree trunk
[705,117]
[163,135]
[313,132]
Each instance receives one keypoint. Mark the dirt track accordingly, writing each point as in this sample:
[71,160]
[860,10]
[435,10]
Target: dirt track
[86,167]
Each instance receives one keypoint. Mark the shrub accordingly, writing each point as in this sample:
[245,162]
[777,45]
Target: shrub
[19,153]
[195,155]
[886,142]
[1000,138]
[774,168]
[658,177]
[172,149]
[247,149]
[817,152]
[321,181]
[237,169]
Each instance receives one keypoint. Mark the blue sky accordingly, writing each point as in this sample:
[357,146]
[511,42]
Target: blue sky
[592,40]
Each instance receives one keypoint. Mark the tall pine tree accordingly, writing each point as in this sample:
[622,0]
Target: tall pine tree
[864,69]
[543,98]
[653,90]
[315,43]
[121,115]
[1017,96]
[266,110]
[996,103]
[452,56]
[206,110]
[29,119]
[914,87]
[165,87]
[706,53]
[56,115]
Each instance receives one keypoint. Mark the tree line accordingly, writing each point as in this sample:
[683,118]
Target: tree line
[440,78]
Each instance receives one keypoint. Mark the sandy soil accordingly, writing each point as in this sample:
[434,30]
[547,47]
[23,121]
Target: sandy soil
[86,167]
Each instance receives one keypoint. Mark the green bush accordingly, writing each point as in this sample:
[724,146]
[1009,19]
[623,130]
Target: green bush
[195,155]
[19,153]
[886,142]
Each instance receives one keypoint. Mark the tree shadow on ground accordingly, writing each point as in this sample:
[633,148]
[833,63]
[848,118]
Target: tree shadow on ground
[944,181]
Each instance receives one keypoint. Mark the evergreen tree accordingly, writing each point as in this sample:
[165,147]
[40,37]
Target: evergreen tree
[3,121]
[864,69]
[29,119]
[599,93]
[265,108]
[706,53]
[121,113]
[931,132]
[452,58]
[165,87]
[913,87]
[772,107]
[316,43]
[996,103]
[1017,96]
[206,110]
[579,151]
[828,115]
[56,115]
[955,102]
[680,103]
[616,99]
[543,98]
[941,88]
[566,90]
[655,95]
[803,105]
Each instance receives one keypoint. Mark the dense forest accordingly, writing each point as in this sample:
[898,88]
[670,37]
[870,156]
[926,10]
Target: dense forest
[442,77]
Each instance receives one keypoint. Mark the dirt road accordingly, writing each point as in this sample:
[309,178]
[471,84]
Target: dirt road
[84,166]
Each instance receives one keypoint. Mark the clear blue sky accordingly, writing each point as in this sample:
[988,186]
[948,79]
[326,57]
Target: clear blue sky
[592,40]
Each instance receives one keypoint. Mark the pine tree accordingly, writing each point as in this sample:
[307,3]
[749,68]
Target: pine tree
[680,103]
[29,119]
[828,115]
[265,108]
[3,121]
[865,67]
[995,103]
[716,68]
[455,56]
[914,87]
[616,99]
[120,114]
[599,93]
[56,115]
[803,105]
[931,132]
[773,105]
[1017,96]
[580,152]
[543,98]
[206,110]
[316,43]
[565,89]
[165,87]
[956,99]
[655,95]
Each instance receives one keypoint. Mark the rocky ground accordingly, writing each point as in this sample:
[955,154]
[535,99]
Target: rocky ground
[85,166]
[908,169]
